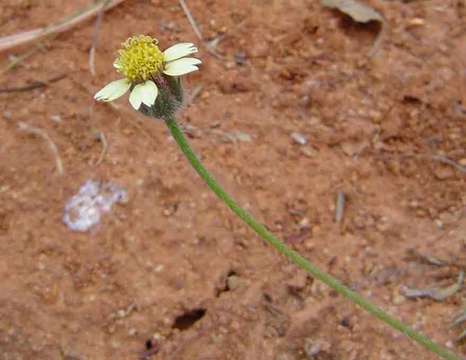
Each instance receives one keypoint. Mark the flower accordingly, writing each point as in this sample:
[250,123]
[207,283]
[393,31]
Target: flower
[144,68]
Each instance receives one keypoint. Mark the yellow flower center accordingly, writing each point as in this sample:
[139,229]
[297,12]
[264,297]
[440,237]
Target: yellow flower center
[139,59]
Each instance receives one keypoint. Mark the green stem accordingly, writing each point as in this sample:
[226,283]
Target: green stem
[295,257]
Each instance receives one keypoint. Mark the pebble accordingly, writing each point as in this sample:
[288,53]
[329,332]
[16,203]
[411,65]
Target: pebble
[285,356]
[234,282]
[444,173]
[313,348]
[7,115]
[308,151]
[398,299]
[299,138]
[56,118]
[416,22]
[240,58]
[297,282]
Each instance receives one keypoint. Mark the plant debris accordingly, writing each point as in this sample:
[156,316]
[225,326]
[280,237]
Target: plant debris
[360,13]
[437,294]
[340,207]
[357,11]
[425,259]
[85,209]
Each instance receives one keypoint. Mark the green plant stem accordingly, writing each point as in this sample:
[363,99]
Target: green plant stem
[295,257]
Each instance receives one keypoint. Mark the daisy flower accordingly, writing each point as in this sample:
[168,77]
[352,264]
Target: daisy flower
[144,66]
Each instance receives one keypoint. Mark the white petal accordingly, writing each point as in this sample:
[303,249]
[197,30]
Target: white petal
[145,93]
[113,90]
[178,51]
[182,66]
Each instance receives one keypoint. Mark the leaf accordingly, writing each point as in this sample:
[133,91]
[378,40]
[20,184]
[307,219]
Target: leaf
[356,10]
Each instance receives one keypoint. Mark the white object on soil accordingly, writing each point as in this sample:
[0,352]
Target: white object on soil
[94,198]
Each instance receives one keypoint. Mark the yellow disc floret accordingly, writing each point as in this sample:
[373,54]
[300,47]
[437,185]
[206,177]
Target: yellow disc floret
[139,59]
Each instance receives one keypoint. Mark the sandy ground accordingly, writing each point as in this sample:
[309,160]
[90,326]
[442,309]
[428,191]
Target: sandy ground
[291,113]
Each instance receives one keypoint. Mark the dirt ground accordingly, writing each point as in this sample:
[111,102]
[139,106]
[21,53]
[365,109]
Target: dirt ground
[297,107]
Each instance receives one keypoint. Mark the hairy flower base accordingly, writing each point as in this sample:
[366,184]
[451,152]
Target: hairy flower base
[147,71]
[169,100]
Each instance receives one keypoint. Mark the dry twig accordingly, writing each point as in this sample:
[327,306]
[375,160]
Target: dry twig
[340,207]
[450,162]
[11,41]
[19,59]
[42,134]
[209,46]
[95,36]
[104,142]
[34,85]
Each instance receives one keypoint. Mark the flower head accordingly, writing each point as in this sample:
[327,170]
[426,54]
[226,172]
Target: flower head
[146,70]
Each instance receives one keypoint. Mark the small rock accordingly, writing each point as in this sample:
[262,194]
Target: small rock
[313,348]
[240,58]
[7,115]
[462,162]
[237,136]
[299,138]
[243,137]
[438,223]
[285,356]
[259,49]
[56,118]
[297,282]
[416,22]
[229,65]
[398,299]
[308,151]
[444,173]
[351,148]
[234,282]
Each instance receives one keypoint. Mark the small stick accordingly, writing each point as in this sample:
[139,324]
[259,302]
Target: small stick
[439,158]
[450,162]
[19,59]
[95,37]
[340,207]
[191,19]
[42,134]
[103,139]
[22,38]
[198,33]
[194,94]
[34,85]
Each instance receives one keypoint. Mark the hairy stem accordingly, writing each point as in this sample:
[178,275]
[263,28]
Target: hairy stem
[294,257]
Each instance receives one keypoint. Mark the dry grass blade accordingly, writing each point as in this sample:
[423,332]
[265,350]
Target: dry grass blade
[34,85]
[12,41]
[19,59]
[95,37]
[210,46]
[42,134]
[191,19]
